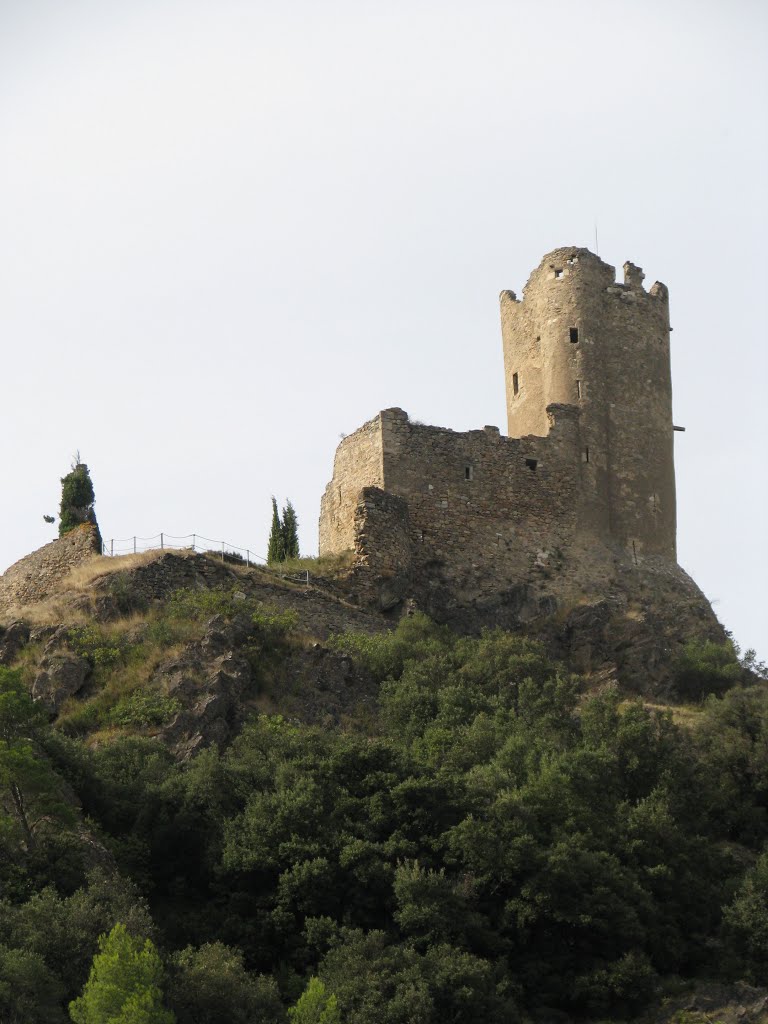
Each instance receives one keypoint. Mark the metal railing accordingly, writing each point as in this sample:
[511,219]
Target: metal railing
[118,546]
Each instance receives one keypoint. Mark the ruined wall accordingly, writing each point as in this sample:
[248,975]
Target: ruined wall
[579,337]
[358,463]
[34,577]
[580,494]
[383,541]
[483,510]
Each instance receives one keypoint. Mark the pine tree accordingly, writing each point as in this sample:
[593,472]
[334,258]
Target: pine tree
[124,983]
[315,1006]
[77,499]
[276,547]
[290,532]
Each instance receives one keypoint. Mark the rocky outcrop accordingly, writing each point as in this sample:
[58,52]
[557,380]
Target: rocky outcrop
[12,639]
[61,675]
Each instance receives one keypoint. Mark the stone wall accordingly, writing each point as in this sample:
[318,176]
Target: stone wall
[35,576]
[484,509]
[383,541]
[474,512]
[358,464]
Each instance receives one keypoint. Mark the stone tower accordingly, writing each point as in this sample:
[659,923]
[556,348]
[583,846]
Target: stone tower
[580,338]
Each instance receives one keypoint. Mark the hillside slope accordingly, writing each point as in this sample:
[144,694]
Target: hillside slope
[272,782]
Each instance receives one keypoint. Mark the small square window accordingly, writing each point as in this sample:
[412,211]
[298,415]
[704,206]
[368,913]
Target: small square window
[558,274]
[573,334]
[515,383]
[532,464]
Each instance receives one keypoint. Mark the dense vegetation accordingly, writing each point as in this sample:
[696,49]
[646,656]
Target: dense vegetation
[77,499]
[497,840]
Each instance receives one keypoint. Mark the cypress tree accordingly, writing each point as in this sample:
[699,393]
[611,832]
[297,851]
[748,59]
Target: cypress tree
[276,546]
[290,532]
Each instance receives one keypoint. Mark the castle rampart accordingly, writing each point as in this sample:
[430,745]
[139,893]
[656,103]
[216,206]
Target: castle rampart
[580,492]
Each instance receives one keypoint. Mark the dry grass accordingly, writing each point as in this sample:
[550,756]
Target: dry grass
[83,575]
[687,716]
[50,612]
[328,565]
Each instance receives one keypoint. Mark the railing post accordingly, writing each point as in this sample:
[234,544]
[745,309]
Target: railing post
[112,547]
[222,551]
[161,541]
[248,558]
[134,545]
[193,541]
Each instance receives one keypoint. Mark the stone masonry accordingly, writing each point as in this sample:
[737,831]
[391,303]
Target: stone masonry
[35,576]
[577,504]
[579,337]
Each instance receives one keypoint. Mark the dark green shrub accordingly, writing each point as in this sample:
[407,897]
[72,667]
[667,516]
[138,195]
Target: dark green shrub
[704,668]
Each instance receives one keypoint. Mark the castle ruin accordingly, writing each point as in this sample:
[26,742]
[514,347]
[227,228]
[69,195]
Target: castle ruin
[576,504]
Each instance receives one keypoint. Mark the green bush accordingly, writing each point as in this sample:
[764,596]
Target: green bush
[196,605]
[101,651]
[706,668]
[143,709]
[384,654]
[273,626]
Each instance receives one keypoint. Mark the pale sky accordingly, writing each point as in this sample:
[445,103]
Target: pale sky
[231,231]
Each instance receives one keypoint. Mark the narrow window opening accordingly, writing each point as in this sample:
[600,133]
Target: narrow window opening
[578,389]
[468,474]
[558,274]
[634,552]
[515,383]
[532,464]
[573,333]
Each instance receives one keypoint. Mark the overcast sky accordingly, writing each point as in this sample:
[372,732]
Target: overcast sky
[231,231]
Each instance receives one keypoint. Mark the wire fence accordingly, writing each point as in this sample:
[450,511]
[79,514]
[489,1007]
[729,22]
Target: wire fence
[118,546]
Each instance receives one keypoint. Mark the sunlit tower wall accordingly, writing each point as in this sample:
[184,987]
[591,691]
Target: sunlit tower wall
[578,337]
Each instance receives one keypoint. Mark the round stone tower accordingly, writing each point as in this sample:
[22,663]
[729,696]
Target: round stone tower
[580,338]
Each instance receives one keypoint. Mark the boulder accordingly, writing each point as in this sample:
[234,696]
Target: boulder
[60,676]
[12,639]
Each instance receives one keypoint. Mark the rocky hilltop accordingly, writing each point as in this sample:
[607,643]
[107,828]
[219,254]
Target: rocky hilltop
[631,634]
[502,812]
